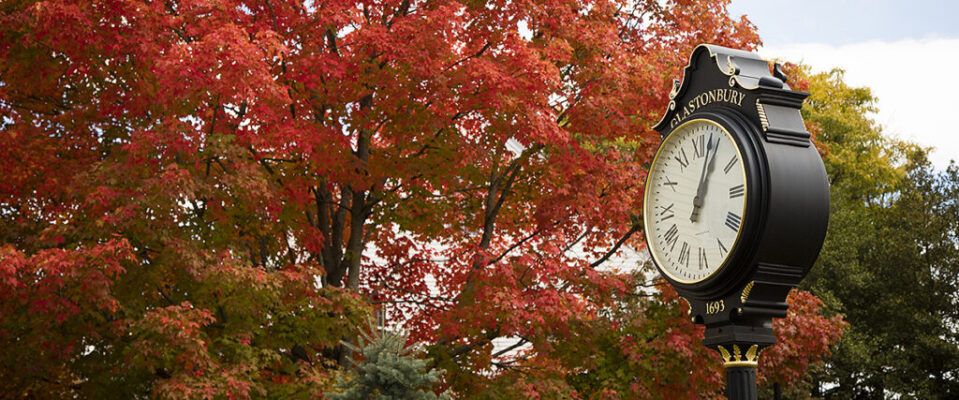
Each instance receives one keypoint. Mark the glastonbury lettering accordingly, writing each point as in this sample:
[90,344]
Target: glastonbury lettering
[713,96]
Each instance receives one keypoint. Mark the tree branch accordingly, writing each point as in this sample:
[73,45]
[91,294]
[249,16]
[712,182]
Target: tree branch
[615,248]
[470,57]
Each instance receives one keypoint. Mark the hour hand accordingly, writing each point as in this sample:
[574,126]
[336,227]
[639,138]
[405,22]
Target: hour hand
[697,204]
[698,200]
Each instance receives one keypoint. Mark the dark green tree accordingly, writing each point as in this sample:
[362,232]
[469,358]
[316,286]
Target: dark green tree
[388,370]
[890,261]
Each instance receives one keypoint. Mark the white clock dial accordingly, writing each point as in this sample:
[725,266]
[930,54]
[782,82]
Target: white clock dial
[695,201]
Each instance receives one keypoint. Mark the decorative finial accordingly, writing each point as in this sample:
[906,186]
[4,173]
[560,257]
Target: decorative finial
[778,72]
[676,85]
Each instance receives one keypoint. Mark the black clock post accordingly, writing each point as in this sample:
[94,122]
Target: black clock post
[785,213]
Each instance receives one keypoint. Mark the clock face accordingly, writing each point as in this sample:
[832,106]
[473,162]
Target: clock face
[695,201]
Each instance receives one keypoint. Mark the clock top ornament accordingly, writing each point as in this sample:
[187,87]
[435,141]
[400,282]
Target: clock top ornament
[737,199]
[744,80]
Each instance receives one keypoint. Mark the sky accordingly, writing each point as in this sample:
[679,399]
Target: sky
[905,51]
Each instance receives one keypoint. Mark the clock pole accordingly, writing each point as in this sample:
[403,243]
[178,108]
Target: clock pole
[785,197]
[741,383]
[740,364]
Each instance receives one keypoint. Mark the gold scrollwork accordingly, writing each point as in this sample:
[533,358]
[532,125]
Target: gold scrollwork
[675,91]
[746,290]
[762,115]
[731,67]
[737,359]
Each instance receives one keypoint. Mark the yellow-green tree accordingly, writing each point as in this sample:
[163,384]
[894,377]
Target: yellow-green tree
[890,260]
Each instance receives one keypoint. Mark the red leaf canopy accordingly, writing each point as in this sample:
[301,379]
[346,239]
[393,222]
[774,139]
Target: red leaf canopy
[260,170]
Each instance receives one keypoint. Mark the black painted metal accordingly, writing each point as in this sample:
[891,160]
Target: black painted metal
[741,383]
[787,209]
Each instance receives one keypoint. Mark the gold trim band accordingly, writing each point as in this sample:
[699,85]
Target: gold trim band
[735,364]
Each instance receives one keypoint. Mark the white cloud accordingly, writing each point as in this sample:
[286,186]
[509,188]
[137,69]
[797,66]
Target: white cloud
[912,78]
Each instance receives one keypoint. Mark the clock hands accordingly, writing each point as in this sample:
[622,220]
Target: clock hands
[701,190]
[698,199]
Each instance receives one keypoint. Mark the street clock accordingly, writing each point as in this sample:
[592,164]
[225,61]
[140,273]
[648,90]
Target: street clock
[736,201]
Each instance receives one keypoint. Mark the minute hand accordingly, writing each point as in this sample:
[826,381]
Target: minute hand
[701,189]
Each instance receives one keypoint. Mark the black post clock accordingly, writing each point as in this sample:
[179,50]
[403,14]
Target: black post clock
[736,202]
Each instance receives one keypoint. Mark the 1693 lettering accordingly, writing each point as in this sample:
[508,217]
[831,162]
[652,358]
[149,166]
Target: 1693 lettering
[716,95]
[715,307]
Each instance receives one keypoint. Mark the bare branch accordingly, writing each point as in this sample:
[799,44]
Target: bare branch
[470,57]
[516,345]
[615,248]
[517,244]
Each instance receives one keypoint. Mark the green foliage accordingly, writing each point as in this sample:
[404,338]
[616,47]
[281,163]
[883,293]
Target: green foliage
[858,158]
[388,370]
[890,260]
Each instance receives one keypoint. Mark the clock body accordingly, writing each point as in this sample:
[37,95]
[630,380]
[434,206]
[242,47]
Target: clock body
[703,197]
[736,201]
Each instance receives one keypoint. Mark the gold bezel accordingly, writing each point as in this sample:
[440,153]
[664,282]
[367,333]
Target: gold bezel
[652,166]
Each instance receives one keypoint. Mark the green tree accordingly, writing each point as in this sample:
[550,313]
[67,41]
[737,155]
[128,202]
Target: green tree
[388,370]
[890,260]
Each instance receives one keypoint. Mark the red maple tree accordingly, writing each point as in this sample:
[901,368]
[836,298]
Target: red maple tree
[202,198]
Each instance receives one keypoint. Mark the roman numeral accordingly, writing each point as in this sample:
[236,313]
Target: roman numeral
[736,191]
[733,220]
[722,249]
[703,262]
[665,210]
[699,146]
[684,255]
[671,235]
[683,162]
[670,183]
[730,164]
